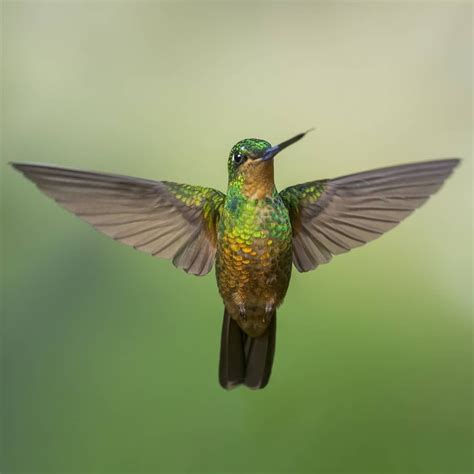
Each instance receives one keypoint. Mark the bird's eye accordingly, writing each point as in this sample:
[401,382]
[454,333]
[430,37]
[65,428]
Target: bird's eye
[239,159]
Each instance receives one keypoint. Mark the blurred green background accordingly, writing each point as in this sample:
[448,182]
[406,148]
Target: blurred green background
[110,356]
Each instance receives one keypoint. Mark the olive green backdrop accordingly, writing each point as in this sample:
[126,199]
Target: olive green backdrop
[110,356]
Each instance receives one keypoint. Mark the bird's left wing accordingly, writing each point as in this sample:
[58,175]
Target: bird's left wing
[164,219]
[333,216]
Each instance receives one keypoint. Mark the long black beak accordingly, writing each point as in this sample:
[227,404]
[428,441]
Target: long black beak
[271,152]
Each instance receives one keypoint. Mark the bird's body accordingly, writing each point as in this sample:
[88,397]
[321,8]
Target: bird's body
[253,259]
[253,233]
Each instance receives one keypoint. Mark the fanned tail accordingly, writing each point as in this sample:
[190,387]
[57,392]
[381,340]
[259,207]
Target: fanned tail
[244,359]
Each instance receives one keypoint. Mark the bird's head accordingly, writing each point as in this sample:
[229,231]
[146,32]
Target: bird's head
[250,165]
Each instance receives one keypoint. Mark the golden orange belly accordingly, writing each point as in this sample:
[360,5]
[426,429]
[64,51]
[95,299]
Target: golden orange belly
[253,279]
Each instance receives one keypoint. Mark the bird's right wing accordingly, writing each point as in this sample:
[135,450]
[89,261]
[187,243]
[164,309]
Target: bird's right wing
[164,219]
[333,216]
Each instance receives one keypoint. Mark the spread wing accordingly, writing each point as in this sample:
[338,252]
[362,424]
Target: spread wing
[333,216]
[164,219]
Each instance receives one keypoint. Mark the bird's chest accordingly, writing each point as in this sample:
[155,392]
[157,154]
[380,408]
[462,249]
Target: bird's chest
[254,250]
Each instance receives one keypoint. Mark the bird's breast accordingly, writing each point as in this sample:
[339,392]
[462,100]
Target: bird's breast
[253,264]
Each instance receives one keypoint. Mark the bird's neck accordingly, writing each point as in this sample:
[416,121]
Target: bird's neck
[257,184]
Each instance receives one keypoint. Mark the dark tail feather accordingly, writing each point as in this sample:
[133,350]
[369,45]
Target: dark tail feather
[259,352]
[232,361]
[245,359]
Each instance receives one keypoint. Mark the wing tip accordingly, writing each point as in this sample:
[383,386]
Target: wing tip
[16,165]
[26,167]
[454,161]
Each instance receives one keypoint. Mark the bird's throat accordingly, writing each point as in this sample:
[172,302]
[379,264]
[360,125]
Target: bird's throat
[258,182]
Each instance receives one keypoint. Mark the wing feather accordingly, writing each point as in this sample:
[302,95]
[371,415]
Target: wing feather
[164,219]
[330,217]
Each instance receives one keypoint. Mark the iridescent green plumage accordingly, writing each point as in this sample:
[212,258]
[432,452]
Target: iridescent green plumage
[307,193]
[253,264]
[253,232]
[253,261]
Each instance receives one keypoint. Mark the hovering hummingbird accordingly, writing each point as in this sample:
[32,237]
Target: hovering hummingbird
[254,233]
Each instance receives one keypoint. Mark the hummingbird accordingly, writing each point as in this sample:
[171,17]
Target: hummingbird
[254,234]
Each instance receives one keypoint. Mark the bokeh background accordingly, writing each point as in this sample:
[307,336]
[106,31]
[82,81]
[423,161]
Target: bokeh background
[110,356]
